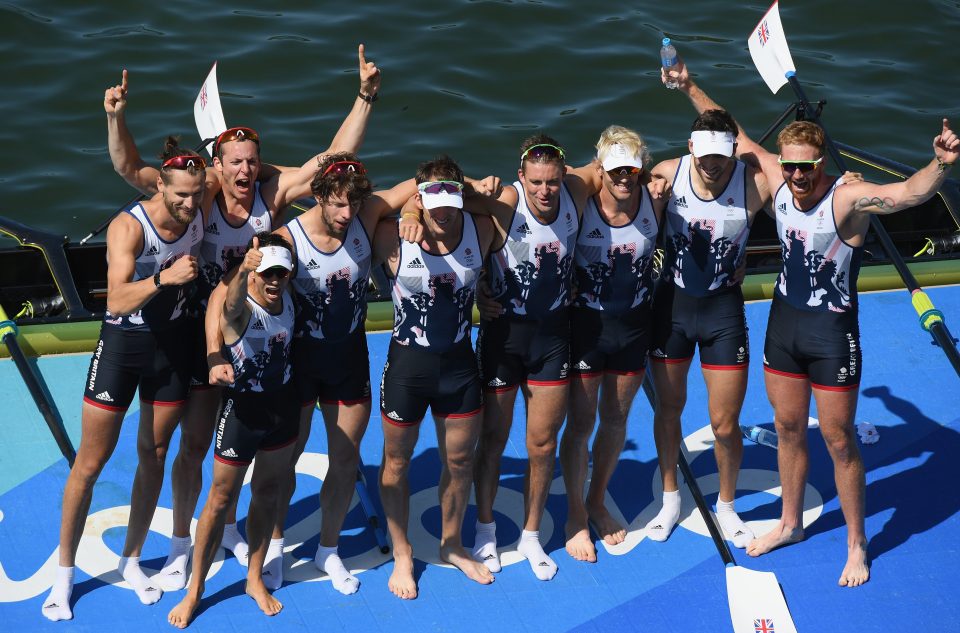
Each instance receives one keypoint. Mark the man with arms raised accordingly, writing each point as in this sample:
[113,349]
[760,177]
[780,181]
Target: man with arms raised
[333,250]
[235,207]
[813,337]
[536,222]
[609,328]
[258,416]
[431,363]
[152,255]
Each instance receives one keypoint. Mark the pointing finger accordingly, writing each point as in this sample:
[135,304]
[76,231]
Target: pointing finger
[124,81]
[363,60]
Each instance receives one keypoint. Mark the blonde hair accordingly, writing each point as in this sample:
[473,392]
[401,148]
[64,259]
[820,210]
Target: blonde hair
[802,133]
[619,135]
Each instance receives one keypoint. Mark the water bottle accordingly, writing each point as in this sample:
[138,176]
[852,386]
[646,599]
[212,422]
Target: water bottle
[668,59]
[760,435]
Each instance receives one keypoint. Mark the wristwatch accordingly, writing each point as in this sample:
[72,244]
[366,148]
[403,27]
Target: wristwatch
[156,280]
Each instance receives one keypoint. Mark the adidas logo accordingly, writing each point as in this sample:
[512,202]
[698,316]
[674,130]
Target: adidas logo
[105,396]
[258,325]
[782,208]
[524,229]
[230,453]
[658,353]
[583,365]
[489,557]
[496,382]
[682,202]
[657,527]
[393,415]
[153,250]
[544,564]
[175,572]
[416,263]
[212,229]
[595,234]
[739,533]
[312,265]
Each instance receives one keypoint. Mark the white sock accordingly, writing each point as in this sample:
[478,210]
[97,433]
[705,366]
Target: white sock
[542,565]
[329,562]
[57,605]
[273,564]
[485,546]
[734,529]
[233,541]
[146,589]
[173,576]
[659,528]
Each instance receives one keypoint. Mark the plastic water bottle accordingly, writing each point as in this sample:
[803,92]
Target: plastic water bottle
[760,435]
[669,61]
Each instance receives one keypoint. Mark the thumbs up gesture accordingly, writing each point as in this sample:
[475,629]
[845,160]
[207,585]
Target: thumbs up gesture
[251,261]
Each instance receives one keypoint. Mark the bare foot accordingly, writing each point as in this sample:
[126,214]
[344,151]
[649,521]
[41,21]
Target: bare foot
[181,614]
[401,582]
[609,530]
[459,558]
[579,544]
[267,603]
[777,537]
[857,570]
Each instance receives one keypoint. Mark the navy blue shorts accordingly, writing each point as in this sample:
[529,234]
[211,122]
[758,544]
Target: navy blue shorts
[717,323]
[823,347]
[251,421]
[512,351]
[414,379]
[612,343]
[333,372]
[158,363]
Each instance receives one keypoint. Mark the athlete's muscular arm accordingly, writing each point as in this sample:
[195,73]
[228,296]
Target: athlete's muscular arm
[236,312]
[589,175]
[220,371]
[124,241]
[123,151]
[865,198]
[290,184]
[386,246]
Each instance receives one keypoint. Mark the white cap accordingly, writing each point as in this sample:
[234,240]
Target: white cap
[442,199]
[706,142]
[275,256]
[618,156]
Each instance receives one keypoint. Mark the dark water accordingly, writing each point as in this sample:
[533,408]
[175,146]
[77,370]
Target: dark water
[468,78]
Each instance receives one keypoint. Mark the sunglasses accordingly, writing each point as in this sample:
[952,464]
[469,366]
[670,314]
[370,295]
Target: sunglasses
[236,134]
[440,186]
[542,150]
[805,166]
[277,271]
[620,172]
[184,162]
[345,167]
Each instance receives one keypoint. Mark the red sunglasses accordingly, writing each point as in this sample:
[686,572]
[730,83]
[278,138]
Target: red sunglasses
[236,134]
[345,167]
[184,162]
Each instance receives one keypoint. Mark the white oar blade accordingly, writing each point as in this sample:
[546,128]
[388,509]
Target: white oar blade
[769,50]
[207,111]
[756,602]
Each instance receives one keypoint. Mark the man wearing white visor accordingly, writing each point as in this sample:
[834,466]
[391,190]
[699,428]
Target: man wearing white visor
[258,416]
[698,302]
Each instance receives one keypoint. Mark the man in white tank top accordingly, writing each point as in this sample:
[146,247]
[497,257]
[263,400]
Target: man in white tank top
[798,173]
[258,417]
[171,214]
[239,190]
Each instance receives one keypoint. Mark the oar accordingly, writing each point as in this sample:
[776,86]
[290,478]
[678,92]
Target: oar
[771,55]
[8,334]
[755,599]
[208,115]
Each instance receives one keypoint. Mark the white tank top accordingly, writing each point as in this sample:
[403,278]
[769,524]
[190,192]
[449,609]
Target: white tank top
[166,308]
[261,357]
[530,273]
[613,264]
[433,294]
[705,240]
[225,245]
[331,288]
[820,270]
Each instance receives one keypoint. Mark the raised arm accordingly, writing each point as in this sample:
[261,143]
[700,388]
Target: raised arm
[867,198]
[123,151]
[292,184]
[125,296]
[236,312]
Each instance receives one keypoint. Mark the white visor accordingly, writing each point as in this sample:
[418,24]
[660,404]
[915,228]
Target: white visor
[442,199]
[706,142]
[618,156]
[275,256]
